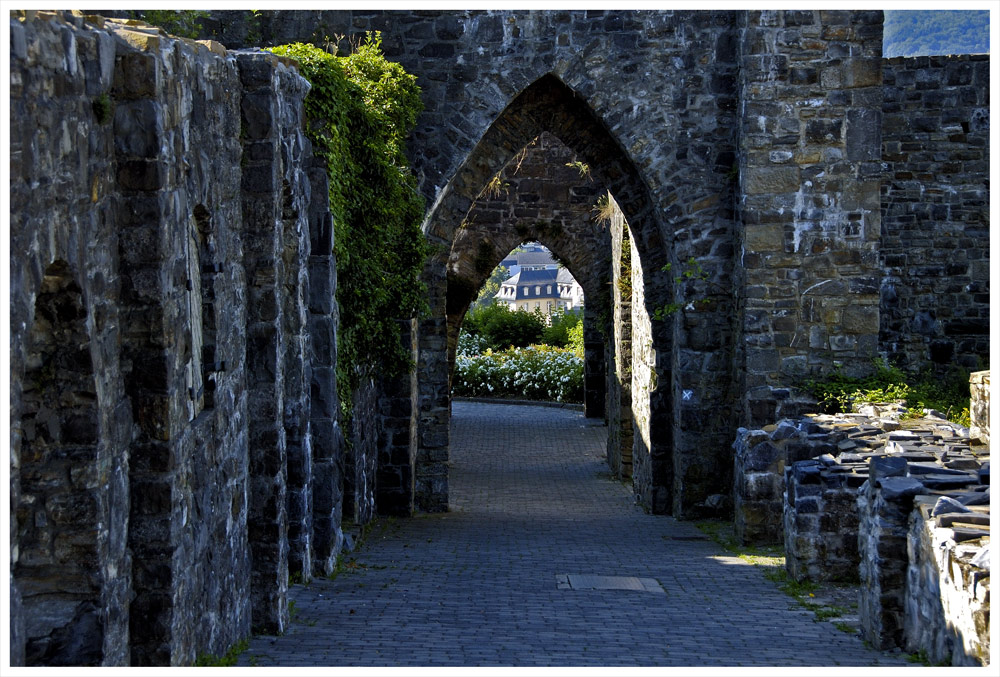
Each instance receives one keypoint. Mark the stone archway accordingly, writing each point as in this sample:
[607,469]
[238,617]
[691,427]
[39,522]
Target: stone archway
[547,105]
[546,195]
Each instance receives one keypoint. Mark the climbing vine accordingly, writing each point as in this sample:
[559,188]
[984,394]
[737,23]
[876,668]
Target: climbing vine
[360,109]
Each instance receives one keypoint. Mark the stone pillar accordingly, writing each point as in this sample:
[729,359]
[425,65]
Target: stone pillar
[70,568]
[271,91]
[619,354]
[593,365]
[431,480]
[884,505]
[324,406]
[398,453]
[296,152]
[811,96]
[652,467]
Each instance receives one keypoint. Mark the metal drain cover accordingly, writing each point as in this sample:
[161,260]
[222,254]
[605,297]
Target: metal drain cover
[592,582]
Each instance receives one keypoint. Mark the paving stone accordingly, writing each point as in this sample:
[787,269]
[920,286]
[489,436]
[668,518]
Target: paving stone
[531,499]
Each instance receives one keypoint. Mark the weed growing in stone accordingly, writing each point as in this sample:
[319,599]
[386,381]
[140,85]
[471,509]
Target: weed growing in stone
[948,394]
[227,659]
[772,560]
[101,106]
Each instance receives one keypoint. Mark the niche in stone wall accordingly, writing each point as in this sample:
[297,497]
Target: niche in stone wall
[61,503]
[204,360]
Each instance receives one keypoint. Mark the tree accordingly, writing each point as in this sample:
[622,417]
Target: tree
[491,287]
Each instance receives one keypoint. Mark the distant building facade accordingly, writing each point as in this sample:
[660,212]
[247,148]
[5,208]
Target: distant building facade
[544,289]
[531,257]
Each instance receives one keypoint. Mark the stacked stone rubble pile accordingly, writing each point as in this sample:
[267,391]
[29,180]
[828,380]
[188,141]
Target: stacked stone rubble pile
[907,595]
[947,595]
[820,518]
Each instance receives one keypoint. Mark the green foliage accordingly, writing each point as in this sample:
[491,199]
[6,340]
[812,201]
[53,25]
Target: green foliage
[948,394]
[360,109]
[184,23]
[582,167]
[564,327]
[925,32]
[102,108]
[502,327]
[491,287]
[690,272]
[226,660]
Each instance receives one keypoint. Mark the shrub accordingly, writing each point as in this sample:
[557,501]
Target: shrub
[535,373]
[948,394]
[563,323]
[502,327]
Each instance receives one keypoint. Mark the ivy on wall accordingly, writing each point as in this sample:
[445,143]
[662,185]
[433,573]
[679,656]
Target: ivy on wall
[360,109]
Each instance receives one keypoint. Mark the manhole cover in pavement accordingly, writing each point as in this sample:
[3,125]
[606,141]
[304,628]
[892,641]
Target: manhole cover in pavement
[592,582]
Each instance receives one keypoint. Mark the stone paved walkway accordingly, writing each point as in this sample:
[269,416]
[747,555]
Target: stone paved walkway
[531,500]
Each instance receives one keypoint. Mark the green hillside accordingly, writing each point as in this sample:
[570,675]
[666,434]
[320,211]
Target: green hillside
[925,32]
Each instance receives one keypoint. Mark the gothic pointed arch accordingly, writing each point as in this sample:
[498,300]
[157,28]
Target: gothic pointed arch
[547,105]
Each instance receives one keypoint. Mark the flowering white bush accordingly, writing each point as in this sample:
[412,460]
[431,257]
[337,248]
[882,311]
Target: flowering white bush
[534,373]
[470,344]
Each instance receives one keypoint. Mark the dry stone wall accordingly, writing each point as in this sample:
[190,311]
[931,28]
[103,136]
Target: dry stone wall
[947,602]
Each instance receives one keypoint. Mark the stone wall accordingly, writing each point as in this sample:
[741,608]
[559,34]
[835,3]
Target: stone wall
[885,504]
[164,473]
[808,291]
[948,583]
[70,417]
[935,281]
[821,518]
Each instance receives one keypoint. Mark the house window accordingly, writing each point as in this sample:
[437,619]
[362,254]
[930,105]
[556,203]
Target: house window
[549,307]
[538,305]
[538,290]
[548,289]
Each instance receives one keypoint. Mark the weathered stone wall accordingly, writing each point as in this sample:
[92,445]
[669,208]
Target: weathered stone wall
[821,522]
[821,519]
[169,369]
[935,211]
[948,583]
[810,96]
[760,460]
[70,419]
[885,503]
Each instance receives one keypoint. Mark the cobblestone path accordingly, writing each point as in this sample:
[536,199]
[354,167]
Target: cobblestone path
[532,502]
